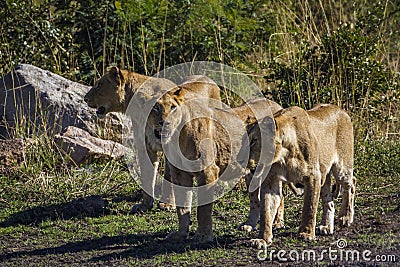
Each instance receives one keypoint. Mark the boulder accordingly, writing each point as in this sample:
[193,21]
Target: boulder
[82,147]
[33,99]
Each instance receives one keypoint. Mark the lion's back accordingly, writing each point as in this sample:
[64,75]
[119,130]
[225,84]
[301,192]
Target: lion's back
[334,130]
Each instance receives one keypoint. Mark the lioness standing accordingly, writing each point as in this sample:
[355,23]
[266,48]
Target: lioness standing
[201,143]
[113,93]
[310,146]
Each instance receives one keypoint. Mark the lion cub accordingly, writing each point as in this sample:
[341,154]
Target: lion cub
[310,146]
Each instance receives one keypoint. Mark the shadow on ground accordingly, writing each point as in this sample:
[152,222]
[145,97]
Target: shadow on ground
[138,246]
[91,206]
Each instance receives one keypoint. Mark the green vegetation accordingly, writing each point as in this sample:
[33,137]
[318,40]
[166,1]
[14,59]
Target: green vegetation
[298,52]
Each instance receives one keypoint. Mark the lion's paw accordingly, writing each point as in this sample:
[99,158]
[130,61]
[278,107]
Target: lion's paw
[279,225]
[204,237]
[324,230]
[246,227]
[299,191]
[166,206]
[345,221]
[307,236]
[177,236]
[260,243]
[140,208]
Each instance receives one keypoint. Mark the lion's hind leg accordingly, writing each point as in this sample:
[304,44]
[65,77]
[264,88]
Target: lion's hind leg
[254,213]
[280,215]
[347,182]
[328,208]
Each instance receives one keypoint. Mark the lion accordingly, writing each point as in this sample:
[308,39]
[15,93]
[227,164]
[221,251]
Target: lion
[114,91]
[200,143]
[245,113]
[310,146]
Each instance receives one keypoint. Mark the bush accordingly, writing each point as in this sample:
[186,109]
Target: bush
[377,159]
[341,67]
[342,70]
[342,53]
[29,35]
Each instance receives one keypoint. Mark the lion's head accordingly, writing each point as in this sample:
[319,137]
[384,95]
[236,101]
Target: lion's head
[166,114]
[108,93]
[257,130]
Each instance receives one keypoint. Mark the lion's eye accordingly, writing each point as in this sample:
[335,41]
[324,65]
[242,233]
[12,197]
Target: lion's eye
[173,107]
[156,108]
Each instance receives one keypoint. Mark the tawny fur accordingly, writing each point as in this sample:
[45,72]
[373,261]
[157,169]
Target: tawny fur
[214,124]
[113,93]
[310,147]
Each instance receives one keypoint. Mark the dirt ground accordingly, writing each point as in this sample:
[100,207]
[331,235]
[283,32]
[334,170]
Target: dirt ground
[376,230]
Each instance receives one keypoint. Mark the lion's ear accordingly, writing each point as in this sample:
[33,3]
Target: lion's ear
[115,74]
[178,94]
[178,91]
[250,123]
[250,120]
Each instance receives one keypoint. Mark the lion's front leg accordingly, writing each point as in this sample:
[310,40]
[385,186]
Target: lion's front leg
[204,232]
[148,178]
[270,201]
[184,223]
[255,207]
[205,198]
[312,188]
[182,185]
[167,201]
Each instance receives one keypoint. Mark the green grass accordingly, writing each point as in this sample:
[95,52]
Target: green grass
[38,227]
[346,54]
